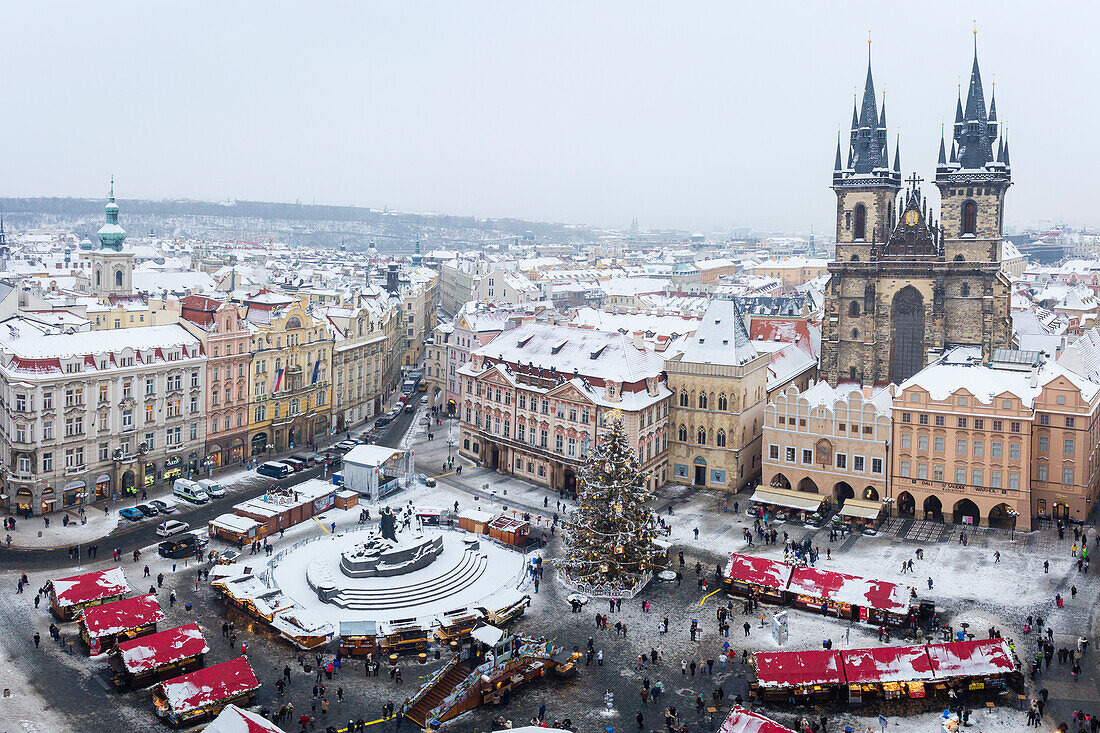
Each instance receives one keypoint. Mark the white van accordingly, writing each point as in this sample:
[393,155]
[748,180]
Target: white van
[212,488]
[189,490]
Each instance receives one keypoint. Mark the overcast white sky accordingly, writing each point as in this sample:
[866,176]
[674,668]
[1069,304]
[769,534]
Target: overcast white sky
[699,116]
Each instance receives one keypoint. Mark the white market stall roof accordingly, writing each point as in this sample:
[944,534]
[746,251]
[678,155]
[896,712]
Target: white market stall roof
[787,498]
[476,515]
[371,455]
[488,634]
[234,523]
[860,508]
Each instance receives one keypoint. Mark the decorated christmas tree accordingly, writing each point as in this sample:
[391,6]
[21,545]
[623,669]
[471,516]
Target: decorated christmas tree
[610,537]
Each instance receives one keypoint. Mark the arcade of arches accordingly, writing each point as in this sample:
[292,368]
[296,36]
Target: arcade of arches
[975,511]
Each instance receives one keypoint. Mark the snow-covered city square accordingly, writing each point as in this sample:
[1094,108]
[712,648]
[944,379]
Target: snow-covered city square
[369,367]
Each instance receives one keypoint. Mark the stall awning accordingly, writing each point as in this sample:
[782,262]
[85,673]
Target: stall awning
[861,509]
[488,634]
[788,498]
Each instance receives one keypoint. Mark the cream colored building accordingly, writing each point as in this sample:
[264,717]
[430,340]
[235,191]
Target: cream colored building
[719,386]
[826,441]
[290,386]
[362,338]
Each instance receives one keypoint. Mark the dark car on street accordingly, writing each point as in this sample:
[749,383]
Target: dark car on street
[147,510]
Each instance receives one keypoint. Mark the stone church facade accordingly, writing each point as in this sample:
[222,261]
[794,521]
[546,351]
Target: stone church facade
[905,286]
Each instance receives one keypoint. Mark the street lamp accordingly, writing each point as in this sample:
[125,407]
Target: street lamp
[1014,514]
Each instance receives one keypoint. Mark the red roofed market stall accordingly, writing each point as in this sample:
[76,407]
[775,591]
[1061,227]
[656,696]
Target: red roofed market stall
[742,721]
[70,595]
[203,693]
[234,720]
[849,596]
[751,575]
[885,672]
[836,594]
[101,627]
[159,656]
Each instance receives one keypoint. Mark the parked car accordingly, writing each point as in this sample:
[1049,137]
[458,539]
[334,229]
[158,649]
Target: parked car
[147,510]
[178,547]
[307,459]
[162,506]
[131,513]
[189,490]
[409,409]
[171,527]
[295,464]
[345,445]
[317,458]
[212,488]
[423,400]
[273,469]
[383,421]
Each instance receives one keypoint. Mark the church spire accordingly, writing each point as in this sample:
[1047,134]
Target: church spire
[111,235]
[897,154]
[975,127]
[943,154]
[837,163]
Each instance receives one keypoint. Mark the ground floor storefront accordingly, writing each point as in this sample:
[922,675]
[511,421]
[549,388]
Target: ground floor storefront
[119,479]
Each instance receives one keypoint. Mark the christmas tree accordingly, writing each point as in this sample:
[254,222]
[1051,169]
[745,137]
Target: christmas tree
[610,537]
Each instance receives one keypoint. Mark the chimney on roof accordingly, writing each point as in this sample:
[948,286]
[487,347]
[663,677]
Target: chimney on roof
[639,340]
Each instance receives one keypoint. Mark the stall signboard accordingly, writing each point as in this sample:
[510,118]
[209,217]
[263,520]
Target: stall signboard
[173,467]
[325,503]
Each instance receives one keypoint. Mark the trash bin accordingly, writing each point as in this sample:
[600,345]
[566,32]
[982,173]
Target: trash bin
[187,607]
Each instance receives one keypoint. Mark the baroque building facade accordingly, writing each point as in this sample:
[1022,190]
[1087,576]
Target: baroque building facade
[905,287]
[719,385]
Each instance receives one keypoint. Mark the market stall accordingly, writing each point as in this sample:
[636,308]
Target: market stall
[850,597]
[203,693]
[402,637]
[813,674]
[884,672]
[860,514]
[156,657]
[983,663]
[505,605]
[748,575]
[743,721]
[101,627]
[474,520]
[770,502]
[235,529]
[68,596]
[456,625]
[358,638]
[509,530]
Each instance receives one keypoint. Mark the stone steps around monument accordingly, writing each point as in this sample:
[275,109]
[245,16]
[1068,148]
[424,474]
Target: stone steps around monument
[460,576]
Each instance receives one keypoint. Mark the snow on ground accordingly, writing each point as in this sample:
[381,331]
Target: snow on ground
[33,532]
[25,710]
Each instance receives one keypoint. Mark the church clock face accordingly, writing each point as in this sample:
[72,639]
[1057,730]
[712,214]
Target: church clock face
[911,217]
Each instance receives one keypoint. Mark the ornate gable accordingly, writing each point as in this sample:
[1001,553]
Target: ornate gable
[912,238]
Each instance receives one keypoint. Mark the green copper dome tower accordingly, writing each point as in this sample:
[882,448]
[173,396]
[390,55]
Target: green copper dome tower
[111,235]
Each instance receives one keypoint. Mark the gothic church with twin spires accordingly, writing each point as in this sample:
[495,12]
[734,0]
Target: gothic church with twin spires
[905,284]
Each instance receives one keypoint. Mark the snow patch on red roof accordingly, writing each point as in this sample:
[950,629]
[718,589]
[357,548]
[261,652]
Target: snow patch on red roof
[129,613]
[209,685]
[89,587]
[163,647]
